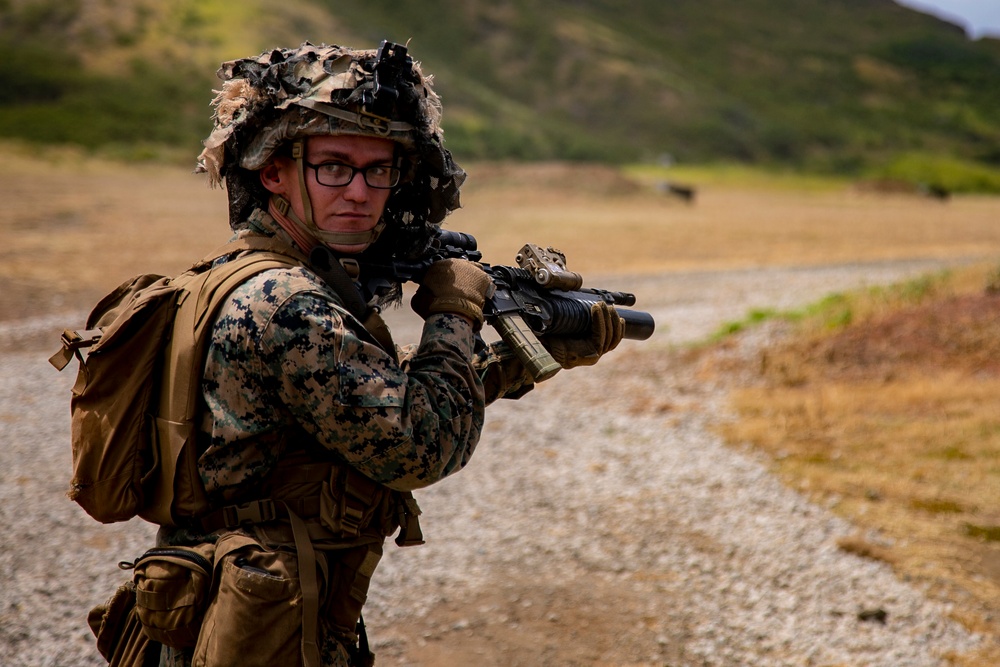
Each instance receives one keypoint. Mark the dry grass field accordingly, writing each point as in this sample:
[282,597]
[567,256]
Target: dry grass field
[72,228]
[890,417]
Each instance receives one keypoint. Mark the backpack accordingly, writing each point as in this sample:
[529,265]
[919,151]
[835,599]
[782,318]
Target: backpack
[136,394]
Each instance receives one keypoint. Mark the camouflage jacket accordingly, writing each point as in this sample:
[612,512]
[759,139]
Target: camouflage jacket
[286,357]
[289,368]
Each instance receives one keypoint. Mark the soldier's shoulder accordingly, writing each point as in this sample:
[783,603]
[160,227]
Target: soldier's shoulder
[264,293]
[283,282]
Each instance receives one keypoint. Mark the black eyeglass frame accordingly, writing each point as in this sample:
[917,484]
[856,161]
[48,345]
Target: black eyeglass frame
[395,173]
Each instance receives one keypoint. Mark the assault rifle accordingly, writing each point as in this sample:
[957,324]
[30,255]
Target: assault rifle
[539,297]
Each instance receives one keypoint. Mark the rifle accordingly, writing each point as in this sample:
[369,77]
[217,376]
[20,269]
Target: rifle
[539,297]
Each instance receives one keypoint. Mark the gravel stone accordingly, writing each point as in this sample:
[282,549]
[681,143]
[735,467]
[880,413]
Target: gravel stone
[611,476]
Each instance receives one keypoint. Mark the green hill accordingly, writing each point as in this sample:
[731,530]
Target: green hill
[829,85]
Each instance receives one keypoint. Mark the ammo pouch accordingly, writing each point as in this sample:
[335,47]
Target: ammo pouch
[316,544]
[255,589]
[351,505]
[172,587]
[115,624]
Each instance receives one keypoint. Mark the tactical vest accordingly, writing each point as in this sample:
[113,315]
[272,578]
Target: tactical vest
[334,518]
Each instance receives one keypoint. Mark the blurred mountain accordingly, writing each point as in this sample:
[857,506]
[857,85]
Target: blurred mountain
[830,85]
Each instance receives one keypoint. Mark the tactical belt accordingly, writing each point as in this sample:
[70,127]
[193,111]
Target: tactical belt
[258,511]
[267,510]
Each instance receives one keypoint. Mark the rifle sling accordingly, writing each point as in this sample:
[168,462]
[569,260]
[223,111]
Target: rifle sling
[326,266]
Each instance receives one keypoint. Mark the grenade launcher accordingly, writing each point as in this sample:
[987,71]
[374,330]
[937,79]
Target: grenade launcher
[539,297]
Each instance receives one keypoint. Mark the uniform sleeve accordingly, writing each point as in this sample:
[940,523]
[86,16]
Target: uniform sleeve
[405,429]
[502,374]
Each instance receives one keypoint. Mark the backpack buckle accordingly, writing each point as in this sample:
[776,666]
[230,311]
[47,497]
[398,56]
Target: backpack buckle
[253,512]
[72,342]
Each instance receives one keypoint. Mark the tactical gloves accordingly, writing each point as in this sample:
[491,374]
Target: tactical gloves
[607,329]
[462,287]
[453,286]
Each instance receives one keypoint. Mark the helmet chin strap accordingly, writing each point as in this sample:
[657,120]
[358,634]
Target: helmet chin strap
[308,225]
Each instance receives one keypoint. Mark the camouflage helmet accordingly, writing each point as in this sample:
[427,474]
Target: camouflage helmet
[285,95]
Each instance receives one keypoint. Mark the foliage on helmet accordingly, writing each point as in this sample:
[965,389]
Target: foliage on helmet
[286,94]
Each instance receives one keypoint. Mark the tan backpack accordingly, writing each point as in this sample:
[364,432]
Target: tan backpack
[136,394]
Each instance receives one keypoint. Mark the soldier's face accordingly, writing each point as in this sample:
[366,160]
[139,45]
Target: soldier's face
[350,208]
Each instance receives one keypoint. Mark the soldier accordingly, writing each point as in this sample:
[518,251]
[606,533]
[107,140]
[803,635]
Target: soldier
[315,426]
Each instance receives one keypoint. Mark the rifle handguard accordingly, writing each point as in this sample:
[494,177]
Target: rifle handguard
[525,344]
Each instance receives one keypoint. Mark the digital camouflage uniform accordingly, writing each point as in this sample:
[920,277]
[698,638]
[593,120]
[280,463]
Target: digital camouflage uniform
[286,356]
[314,429]
[301,404]
[290,372]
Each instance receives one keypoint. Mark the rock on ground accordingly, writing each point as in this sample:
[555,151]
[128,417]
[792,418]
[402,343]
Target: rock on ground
[601,521]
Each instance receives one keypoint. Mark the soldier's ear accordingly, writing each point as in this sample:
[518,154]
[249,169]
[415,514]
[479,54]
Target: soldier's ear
[274,177]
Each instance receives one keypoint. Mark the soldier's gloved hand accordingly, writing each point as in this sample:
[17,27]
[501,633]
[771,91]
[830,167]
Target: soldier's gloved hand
[606,331]
[453,286]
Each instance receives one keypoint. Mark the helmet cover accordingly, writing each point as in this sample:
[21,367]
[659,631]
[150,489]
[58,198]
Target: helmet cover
[288,94]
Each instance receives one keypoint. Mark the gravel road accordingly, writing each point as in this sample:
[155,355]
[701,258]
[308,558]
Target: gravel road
[601,522]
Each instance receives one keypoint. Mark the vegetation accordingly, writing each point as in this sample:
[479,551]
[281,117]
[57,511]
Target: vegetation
[889,416]
[840,87]
[838,310]
[132,78]
[949,173]
[861,409]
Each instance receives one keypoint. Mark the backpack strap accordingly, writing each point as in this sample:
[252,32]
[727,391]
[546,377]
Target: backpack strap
[256,242]
[204,289]
[324,264]
[180,485]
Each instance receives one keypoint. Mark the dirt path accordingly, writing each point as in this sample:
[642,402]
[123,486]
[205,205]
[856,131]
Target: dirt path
[601,522]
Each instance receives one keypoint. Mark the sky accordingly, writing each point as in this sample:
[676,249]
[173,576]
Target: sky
[978,17]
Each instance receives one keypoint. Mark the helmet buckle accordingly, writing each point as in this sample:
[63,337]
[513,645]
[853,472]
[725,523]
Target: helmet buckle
[378,124]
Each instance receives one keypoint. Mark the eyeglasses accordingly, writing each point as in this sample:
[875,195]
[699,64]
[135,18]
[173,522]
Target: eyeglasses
[338,175]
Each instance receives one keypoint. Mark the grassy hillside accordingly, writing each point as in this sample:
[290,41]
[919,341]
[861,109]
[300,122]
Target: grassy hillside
[131,77]
[802,81]
[882,405]
[833,85]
